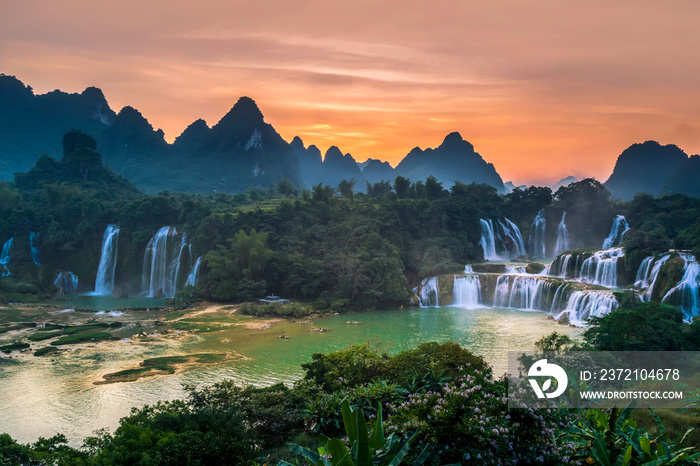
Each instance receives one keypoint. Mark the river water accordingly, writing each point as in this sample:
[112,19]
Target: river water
[43,396]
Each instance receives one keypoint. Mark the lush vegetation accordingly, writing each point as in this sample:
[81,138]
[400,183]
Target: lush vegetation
[333,249]
[436,404]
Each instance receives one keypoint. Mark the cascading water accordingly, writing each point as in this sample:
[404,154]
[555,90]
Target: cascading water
[601,267]
[507,234]
[468,269]
[167,259]
[559,266]
[512,232]
[648,273]
[562,237]
[104,282]
[192,277]
[67,282]
[536,241]
[583,304]
[33,248]
[6,256]
[617,232]
[685,293]
[522,292]
[642,279]
[488,240]
[467,291]
[429,295]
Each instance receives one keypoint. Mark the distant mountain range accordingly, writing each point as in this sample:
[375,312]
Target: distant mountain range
[242,151]
[454,160]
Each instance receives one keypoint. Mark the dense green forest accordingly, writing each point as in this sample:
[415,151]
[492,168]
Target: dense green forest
[333,246]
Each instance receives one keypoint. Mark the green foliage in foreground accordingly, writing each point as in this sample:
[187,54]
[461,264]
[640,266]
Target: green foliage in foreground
[613,438]
[405,413]
[365,449]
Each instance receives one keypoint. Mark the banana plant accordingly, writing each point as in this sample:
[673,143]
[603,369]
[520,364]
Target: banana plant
[366,449]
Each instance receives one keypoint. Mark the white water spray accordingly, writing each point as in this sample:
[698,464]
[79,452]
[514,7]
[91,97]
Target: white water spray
[104,282]
[536,240]
[617,232]
[562,236]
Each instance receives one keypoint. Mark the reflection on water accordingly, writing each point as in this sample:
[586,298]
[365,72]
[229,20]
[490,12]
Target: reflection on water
[43,396]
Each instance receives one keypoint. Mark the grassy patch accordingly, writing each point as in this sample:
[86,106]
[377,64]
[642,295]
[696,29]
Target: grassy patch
[83,337]
[201,358]
[14,347]
[83,328]
[160,366]
[17,326]
[40,336]
[50,327]
[202,327]
[47,350]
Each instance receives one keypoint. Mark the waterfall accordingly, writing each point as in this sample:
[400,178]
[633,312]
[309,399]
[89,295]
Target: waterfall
[644,272]
[67,282]
[467,291]
[648,273]
[507,233]
[192,277]
[6,255]
[513,269]
[560,299]
[501,295]
[518,292]
[429,295]
[560,266]
[468,269]
[685,293]
[536,241]
[167,259]
[104,282]
[585,304]
[562,236]
[617,231]
[488,241]
[601,267]
[512,232]
[34,250]
[522,292]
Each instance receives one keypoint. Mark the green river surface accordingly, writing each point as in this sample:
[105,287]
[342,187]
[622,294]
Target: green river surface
[42,396]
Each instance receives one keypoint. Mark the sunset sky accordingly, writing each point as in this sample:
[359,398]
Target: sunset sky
[542,89]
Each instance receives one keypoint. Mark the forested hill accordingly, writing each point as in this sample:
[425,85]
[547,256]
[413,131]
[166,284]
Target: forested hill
[240,152]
